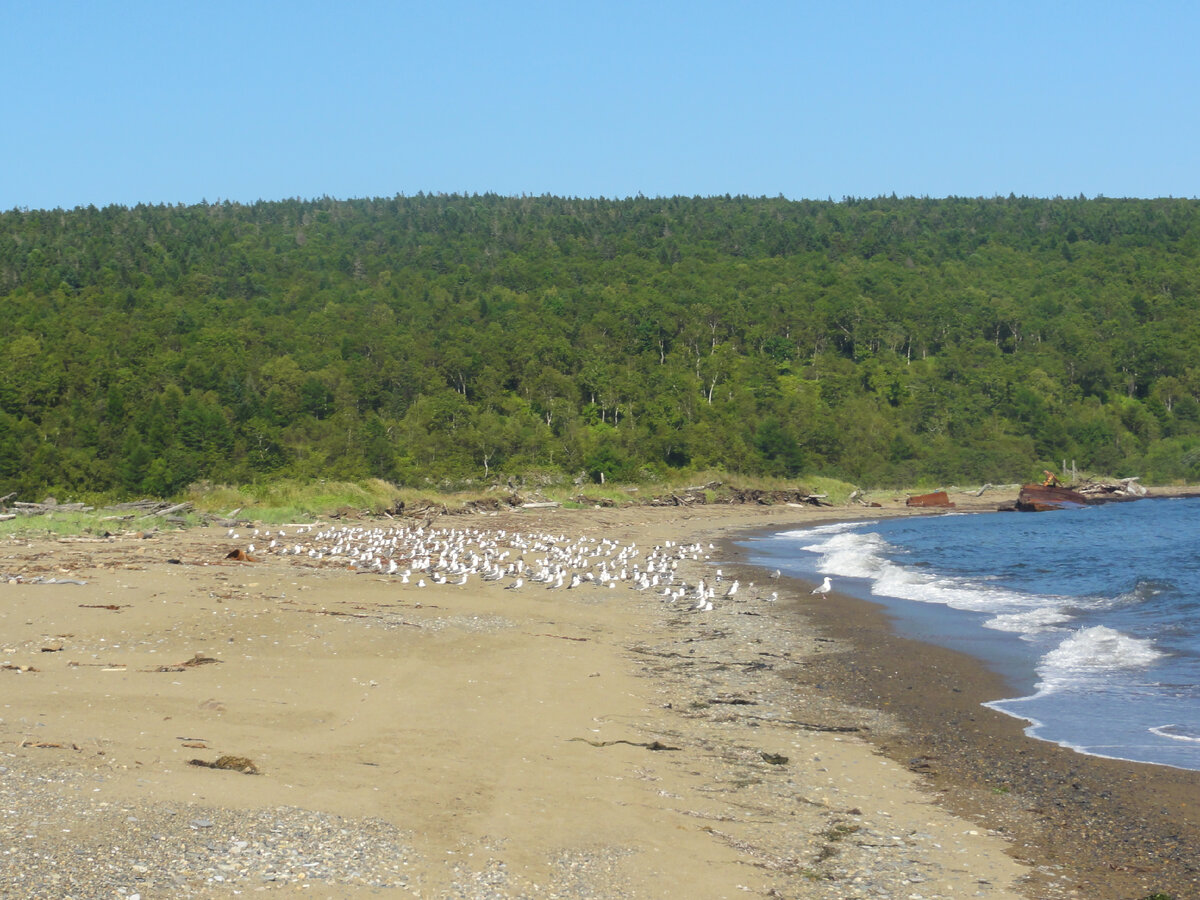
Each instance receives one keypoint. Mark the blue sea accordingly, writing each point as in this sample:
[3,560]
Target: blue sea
[1092,615]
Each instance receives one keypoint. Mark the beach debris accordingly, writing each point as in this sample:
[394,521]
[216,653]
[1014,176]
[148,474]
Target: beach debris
[1043,498]
[242,764]
[112,606]
[1050,496]
[13,578]
[561,637]
[933,500]
[102,666]
[338,612]
[774,759]
[14,667]
[54,646]
[811,726]
[921,763]
[198,660]
[49,505]
[649,745]
[979,493]
[49,745]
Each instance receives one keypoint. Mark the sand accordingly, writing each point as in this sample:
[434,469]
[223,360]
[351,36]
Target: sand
[472,741]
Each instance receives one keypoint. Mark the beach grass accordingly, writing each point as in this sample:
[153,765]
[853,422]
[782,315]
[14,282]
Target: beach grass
[283,501]
[295,500]
[73,523]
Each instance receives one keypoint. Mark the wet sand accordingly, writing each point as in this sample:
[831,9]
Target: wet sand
[467,741]
[1099,828]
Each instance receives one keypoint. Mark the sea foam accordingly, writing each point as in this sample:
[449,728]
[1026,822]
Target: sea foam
[1093,651]
[1094,615]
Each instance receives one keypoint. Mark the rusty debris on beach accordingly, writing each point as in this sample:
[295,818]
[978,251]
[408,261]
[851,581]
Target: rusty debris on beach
[933,500]
[1046,497]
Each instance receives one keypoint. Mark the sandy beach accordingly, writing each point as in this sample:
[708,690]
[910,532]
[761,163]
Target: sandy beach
[384,739]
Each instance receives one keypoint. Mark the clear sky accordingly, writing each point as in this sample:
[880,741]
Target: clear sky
[178,101]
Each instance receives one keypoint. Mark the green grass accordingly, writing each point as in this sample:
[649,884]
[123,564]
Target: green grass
[95,523]
[293,500]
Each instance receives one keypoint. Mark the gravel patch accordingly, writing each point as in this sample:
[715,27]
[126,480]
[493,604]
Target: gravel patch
[57,840]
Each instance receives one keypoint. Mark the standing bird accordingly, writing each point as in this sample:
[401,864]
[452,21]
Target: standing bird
[825,588]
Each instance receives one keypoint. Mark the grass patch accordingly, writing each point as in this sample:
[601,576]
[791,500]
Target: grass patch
[297,500]
[277,502]
[83,524]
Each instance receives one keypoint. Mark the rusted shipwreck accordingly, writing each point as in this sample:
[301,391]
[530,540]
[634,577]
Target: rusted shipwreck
[1044,497]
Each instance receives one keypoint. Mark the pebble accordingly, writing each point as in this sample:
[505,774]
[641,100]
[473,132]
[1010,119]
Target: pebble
[178,852]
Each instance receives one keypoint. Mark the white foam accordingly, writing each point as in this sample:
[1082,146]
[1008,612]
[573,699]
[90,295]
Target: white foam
[851,555]
[1177,733]
[1094,651]
[1030,622]
[844,552]
[832,528]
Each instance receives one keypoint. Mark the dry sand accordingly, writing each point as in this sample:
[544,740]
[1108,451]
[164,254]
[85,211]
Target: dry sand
[454,741]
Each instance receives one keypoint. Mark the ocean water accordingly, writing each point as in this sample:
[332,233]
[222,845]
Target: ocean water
[1092,615]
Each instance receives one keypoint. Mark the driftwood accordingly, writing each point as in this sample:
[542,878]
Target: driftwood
[1127,487]
[146,504]
[765,498]
[38,509]
[178,507]
[649,745]
[594,501]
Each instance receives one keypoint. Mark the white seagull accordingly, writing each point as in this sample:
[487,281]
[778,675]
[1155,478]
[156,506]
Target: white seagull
[825,588]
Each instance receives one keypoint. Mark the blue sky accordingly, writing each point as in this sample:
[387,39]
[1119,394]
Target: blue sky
[178,102]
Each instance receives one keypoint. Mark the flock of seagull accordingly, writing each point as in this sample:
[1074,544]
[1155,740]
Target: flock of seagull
[425,556]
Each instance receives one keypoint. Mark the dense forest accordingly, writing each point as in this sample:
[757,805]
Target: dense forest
[447,338]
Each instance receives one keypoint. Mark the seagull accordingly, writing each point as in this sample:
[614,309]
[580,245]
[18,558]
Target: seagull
[825,588]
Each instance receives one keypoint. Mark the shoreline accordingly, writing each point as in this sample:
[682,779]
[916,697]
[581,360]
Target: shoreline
[1104,827]
[471,741]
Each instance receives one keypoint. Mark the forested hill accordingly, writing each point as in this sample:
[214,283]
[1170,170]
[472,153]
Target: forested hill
[884,341]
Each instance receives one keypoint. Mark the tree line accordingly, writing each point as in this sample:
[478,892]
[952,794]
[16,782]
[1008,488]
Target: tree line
[445,338]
